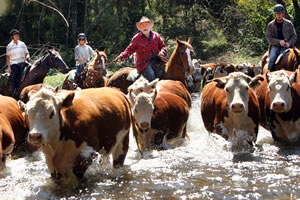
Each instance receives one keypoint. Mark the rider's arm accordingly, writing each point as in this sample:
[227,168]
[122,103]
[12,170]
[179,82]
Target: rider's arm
[271,35]
[292,40]
[8,63]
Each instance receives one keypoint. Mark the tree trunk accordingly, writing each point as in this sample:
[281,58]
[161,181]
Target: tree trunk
[74,20]
[297,21]
[85,15]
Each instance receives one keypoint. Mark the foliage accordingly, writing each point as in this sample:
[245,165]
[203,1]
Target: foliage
[215,26]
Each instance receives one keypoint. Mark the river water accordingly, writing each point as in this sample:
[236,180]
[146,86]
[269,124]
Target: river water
[202,168]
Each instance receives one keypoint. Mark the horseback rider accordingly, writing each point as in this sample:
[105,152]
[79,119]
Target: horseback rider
[281,34]
[83,54]
[150,50]
[16,53]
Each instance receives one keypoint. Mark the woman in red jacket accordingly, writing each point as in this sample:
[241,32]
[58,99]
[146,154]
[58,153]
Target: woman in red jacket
[150,50]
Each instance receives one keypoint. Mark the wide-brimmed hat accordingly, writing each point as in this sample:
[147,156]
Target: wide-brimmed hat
[14,31]
[144,20]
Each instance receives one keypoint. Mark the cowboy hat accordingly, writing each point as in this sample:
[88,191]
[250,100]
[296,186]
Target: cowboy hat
[144,20]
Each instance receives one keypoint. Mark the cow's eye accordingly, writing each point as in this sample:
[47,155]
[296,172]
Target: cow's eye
[51,115]
[288,87]
[135,110]
[227,90]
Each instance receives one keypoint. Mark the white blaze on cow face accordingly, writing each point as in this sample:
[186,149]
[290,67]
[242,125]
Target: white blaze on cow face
[280,90]
[143,109]
[43,110]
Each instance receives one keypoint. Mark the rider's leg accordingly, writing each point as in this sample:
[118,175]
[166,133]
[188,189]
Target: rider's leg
[274,52]
[16,73]
[149,73]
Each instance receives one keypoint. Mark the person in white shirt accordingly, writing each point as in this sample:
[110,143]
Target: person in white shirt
[83,54]
[16,53]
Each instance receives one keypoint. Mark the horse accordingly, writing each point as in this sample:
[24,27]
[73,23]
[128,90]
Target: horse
[37,72]
[289,61]
[94,75]
[177,68]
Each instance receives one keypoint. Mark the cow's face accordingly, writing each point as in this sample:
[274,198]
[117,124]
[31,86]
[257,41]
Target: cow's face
[142,109]
[43,116]
[220,72]
[280,85]
[237,86]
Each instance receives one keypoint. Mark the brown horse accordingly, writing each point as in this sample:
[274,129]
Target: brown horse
[37,72]
[289,61]
[95,74]
[177,68]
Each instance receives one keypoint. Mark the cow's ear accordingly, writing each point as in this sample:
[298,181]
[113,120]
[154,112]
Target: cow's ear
[153,95]
[131,96]
[268,77]
[65,100]
[293,77]
[21,105]
[255,81]
[153,83]
[220,82]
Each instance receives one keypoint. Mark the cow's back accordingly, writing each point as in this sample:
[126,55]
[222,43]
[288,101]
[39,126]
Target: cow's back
[213,100]
[175,87]
[12,119]
[97,116]
[170,114]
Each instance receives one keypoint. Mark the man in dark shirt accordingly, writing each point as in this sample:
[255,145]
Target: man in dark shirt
[281,34]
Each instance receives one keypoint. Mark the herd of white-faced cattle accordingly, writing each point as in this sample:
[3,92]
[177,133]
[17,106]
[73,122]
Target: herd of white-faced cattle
[72,127]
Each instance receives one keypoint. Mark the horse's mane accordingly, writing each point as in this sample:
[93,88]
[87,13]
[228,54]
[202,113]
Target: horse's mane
[179,42]
[40,59]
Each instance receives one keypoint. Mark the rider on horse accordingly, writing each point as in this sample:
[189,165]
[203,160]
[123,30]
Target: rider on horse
[281,34]
[83,53]
[16,53]
[150,50]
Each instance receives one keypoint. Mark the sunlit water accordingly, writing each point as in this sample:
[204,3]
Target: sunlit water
[202,168]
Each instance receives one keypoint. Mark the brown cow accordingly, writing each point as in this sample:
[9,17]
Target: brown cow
[12,128]
[279,96]
[229,105]
[71,126]
[161,118]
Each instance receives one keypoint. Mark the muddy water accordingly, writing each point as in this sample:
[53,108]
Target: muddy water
[202,168]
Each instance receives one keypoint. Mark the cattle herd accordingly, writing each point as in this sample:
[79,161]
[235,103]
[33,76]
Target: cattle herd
[72,127]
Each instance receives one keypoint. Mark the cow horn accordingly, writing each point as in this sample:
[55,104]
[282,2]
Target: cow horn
[153,95]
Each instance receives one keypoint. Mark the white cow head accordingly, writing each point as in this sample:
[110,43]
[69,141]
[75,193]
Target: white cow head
[280,84]
[142,108]
[43,115]
[236,86]
[141,85]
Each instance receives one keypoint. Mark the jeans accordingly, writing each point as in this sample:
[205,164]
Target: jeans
[78,69]
[149,72]
[16,73]
[274,53]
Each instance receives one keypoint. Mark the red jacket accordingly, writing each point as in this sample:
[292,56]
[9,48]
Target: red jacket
[144,48]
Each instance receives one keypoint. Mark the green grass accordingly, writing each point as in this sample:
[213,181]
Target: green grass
[55,79]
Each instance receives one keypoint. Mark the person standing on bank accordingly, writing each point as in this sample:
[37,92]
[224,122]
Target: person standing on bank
[83,54]
[16,53]
[150,50]
[281,34]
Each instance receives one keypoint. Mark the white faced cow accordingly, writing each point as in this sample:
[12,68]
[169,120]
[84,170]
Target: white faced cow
[229,105]
[279,97]
[71,126]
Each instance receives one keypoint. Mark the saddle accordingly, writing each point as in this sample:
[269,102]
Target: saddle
[281,55]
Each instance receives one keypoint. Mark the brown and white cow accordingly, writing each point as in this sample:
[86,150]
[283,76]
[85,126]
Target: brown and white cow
[229,106]
[279,97]
[12,127]
[161,118]
[71,126]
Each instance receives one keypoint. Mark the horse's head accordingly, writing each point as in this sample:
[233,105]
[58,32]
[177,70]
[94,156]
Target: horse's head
[55,61]
[98,63]
[184,53]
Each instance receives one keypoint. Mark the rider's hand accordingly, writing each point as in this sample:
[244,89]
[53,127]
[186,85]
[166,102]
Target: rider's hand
[287,45]
[282,43]
[117,59]
[161,54]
